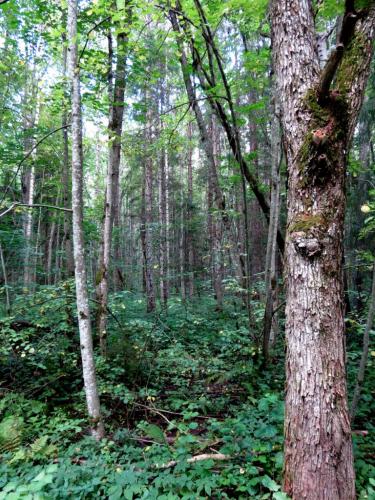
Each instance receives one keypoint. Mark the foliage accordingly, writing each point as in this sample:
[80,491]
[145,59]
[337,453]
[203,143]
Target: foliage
[205,395]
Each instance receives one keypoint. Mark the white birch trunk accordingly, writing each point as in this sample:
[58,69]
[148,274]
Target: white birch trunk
[84,323]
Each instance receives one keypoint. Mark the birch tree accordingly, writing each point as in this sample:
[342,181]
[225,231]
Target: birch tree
[84,322]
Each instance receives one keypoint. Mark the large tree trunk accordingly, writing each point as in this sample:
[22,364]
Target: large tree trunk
[84,323]
[318,126]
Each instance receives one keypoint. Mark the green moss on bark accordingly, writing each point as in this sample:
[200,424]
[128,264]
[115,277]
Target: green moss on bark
[306,222]
[350,63]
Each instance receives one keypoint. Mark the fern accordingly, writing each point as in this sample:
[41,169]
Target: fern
[11,434]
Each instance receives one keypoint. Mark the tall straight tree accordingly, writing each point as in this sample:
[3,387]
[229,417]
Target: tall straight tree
[147,214]
[319,112]
[84,323]
[116,114]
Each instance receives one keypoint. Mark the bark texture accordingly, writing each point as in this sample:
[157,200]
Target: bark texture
[318,127]
[84,323]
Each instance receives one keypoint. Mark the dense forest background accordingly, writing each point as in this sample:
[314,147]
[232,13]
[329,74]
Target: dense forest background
[185,185]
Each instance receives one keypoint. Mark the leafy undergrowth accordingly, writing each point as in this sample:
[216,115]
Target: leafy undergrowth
[189,412]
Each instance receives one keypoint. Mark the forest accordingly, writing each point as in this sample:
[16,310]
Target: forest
[187,249]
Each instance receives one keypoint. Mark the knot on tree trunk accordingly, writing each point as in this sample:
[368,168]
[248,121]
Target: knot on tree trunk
[307,246]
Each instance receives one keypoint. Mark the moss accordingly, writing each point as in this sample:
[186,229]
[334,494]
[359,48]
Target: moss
[320,114]
[99,276]
[305,222]
[350,63]
[320,151]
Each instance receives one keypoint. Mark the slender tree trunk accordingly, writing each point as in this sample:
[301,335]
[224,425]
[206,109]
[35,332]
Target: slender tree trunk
[50,244]
[204,135]
[84,323]
[271,252]
[59,263]
[27,276]
[182,236]
[208,81]
[164,286]
[216,233]
[112,182]
[51,239]
[164,264]
[6,287]
[28,177]
[146,222]
[66,181]
[190,212]
[318,126]
[364,357]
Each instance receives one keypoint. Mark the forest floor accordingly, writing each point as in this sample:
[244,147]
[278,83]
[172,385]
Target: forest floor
[189,411]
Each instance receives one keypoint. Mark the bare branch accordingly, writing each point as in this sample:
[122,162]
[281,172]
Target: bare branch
[28,154]
[36,205]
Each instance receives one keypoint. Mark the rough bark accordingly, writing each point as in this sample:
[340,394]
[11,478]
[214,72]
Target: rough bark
[84,323]
[317,134]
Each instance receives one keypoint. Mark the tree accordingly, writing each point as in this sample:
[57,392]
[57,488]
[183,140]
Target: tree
[112,198]
[84,322]
[319,114]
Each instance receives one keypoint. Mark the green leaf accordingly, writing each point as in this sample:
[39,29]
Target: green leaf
[280,495]
[155,432]
[269,483]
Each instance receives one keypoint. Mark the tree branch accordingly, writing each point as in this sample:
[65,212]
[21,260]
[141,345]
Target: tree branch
[88,36]
[36,205]
[28,154]
[346,34]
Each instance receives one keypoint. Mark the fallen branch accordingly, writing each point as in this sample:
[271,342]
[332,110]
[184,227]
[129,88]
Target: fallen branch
[197,458]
